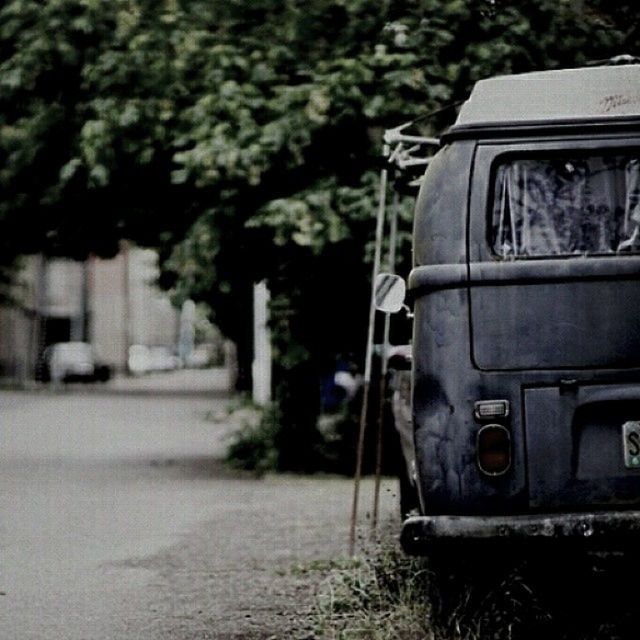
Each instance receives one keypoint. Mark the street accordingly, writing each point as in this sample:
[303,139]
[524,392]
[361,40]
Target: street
[118,520]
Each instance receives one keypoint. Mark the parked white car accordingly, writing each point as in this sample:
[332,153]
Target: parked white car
[144,359]
[139,359]
[70,360]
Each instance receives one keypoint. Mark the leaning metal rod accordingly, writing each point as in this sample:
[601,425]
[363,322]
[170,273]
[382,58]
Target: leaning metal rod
[393,234]
[382,197]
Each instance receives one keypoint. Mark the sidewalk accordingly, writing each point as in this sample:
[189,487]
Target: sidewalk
[183,382]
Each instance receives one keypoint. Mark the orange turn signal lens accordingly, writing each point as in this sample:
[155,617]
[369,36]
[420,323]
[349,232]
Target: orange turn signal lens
[488,409]
[494,449]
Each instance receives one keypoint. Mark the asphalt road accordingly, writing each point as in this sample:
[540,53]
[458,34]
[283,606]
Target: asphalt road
[118,521]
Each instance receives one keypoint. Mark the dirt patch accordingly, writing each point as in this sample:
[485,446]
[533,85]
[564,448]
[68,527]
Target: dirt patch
[254,571]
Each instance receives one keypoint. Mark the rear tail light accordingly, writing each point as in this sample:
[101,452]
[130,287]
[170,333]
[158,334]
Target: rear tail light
[494,449]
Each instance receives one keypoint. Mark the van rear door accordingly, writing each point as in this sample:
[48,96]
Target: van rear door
[554,265]
[555,276]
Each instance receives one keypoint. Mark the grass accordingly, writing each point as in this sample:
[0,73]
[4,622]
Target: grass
[493,594]
[375,597]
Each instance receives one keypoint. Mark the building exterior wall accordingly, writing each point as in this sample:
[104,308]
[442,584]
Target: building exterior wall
[110,303]
[18,335]
[17,345]
[107,302]
[127,308]
[63,289]
[153,320]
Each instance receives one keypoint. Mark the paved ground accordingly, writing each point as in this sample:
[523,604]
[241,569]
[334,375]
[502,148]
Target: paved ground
[181,382]
[117,520]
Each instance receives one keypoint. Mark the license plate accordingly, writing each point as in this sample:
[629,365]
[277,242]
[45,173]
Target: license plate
[631,444]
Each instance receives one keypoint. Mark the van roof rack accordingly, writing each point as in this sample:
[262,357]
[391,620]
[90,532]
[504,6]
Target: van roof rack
[405,152]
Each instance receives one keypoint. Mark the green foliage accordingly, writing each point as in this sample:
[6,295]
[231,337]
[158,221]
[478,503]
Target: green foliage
[253,446]
[260,112]
[242,138]
[257,445]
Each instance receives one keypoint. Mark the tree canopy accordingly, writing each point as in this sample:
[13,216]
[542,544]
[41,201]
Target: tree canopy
[242,137]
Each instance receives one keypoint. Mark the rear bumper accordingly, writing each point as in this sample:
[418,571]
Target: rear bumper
[421,533]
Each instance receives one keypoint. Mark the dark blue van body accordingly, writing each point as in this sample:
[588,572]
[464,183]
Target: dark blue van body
[526,295]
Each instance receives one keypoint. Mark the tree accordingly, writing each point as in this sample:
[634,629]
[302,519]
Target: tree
[243,139]
[324,107]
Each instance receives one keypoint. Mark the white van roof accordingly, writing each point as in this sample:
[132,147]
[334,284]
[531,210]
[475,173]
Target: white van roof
[568,94]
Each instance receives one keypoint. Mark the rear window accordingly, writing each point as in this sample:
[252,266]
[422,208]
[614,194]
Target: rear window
[566,206]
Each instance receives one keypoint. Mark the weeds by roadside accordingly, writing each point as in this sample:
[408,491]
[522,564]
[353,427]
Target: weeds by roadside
[253,446]
[495,595]
[378,596]
[257,443]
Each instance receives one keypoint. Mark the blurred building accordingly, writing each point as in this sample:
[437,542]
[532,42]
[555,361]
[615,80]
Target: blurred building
[112,304]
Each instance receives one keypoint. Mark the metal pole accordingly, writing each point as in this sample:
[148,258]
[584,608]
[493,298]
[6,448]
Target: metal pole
[393,233]
[369,353]
[261,367]
[126,295]
[39,328]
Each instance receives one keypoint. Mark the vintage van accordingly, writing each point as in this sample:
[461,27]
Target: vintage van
[525,290]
